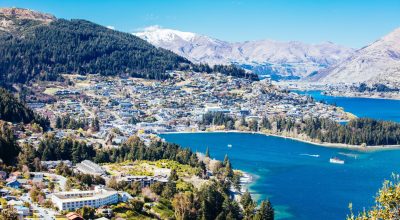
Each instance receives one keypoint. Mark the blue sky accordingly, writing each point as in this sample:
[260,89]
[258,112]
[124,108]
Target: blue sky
[353,23]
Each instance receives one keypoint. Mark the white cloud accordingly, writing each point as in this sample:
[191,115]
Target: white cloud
[110,27]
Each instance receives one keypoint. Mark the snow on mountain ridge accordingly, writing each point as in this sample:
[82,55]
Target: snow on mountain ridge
[156,34]
[378,62]
[291,58]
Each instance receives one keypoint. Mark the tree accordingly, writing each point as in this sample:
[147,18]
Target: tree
[228,169]
[387,203]
[226,159]
[87,212]
[169,189]
[136,205]
[184,207]
[157,188]
[207,152]
[265,212]
[51,186]
[9,214]
[58,122]
[9,149]
[173,176]
[248,205]
[265,123]
[95,124]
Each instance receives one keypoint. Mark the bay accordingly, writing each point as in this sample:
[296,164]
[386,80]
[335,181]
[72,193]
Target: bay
[300,184]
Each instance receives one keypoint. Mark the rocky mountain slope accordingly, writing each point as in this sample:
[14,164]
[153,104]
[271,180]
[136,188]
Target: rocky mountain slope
[281,59]
[378,62]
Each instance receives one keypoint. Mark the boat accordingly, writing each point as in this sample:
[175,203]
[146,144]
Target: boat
[229,145]
[336,160]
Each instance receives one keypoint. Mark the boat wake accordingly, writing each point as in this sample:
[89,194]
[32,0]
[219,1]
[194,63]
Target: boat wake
[349,155]
[310,155]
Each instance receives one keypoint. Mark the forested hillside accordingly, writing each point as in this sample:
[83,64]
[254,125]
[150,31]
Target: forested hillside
[32,47]
[79,46]
[12,110]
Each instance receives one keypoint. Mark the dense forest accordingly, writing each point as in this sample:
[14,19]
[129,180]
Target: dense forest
[12,110]
[358,131]
[230,70]
[36,50]
[8,146]
[79,46]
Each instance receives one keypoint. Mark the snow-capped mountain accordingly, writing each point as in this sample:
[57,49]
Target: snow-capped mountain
[377,63]
[283,59]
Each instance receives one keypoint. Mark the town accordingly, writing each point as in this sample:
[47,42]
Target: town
[106,112]
[176,105]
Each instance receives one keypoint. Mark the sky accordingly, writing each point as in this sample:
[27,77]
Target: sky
[352,23]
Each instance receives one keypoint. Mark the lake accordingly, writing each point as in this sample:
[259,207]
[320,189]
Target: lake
[299,185]
[384,109]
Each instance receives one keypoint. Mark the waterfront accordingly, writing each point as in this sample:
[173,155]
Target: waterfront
[301,186]
[384,109]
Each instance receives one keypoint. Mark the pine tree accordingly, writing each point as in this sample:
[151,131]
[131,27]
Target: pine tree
[58,122]
[265,212]
[225,160]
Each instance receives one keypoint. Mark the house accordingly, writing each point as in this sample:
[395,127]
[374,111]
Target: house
[74,216]
[4,192]
[37,177]
[14,184]
[124,196]
[22,210]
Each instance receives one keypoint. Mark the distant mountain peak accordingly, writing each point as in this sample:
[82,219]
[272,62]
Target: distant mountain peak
[156,34]
[21,13]
[266,56]
[378,62]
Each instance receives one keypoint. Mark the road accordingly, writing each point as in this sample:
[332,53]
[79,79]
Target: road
[45,214]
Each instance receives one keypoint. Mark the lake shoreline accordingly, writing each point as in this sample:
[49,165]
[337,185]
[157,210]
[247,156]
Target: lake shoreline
[324,144]
[351,95]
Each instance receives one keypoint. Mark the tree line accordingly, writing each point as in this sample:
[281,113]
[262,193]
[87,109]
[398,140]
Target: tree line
[15,111]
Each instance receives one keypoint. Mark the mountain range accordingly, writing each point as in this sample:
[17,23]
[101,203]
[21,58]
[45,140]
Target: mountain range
[327,63]
[378,62]
[279,59]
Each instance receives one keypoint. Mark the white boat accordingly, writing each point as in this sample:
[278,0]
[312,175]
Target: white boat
[229,145]
[336,160]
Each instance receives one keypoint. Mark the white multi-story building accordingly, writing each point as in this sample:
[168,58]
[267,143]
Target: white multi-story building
[73,200]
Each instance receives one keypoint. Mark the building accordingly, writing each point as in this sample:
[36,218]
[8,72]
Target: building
[14,184]
[53,164]
[74,216]
[88,167]
[73,200]
[145,180]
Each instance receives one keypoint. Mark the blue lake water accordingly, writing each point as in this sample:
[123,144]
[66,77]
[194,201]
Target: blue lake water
[362,107]
[300,186]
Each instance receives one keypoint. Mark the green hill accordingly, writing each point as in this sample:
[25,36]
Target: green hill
[36,45]
[31,45]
